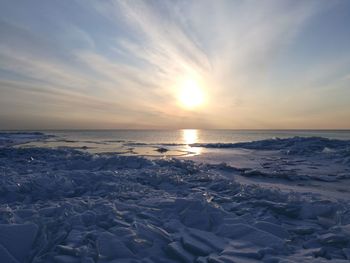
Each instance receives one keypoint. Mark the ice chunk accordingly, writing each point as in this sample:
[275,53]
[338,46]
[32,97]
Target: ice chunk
[272,229]
[304,230]
[18,239]
[6,257]
[87,260]
[249,252]
[345,229]
[162,150]
[319,208]
[251,234]
[347,252]
[196,214]
[195,246]
[175,250]
[110,247]
[66,259]
[67,250]
[208,238]
[231,259]
[74,237]
[88,218]
[333,239]
[152,232]
[198,219]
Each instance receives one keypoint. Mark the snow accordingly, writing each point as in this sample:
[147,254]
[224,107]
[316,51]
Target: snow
[64,205]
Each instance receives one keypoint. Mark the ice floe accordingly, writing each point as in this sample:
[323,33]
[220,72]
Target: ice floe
[67,206]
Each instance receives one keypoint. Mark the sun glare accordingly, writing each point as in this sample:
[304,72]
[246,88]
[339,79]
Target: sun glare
[190,136]
[191,94]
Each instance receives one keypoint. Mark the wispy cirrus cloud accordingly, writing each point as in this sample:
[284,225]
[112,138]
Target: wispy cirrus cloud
[117,63]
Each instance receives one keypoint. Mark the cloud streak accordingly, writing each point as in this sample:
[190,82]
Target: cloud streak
[117,64]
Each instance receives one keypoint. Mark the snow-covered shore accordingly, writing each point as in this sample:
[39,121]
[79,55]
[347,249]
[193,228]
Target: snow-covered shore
[67,206]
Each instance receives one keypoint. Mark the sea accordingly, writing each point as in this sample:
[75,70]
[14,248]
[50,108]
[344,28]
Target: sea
[155,143]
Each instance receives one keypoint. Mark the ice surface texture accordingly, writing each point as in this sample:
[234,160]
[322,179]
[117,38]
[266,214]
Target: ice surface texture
[62,205]
[13,138]
[294,145]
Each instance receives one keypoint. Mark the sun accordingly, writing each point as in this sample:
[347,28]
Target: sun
[191,94]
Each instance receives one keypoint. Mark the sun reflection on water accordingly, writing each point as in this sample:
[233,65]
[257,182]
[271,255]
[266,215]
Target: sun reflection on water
[190,136]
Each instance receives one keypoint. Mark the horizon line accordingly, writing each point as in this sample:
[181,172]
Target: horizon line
[168,129]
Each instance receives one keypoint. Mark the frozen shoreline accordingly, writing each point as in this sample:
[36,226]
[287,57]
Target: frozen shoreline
[64,205]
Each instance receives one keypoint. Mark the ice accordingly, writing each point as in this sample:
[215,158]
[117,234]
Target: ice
[346,252]
[6,257]
[334,239]
[66,259]
[246,252]
[110,247]
[273,229]
[295,145]
[208,238]
[17,240]
[175,250]
[15,138]
[64,205]
[195,246]
[251,234]
[230,259]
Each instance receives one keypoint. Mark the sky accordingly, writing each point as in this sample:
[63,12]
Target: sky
[83,64]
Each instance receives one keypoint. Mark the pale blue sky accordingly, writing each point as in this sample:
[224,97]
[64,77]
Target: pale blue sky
[118,64]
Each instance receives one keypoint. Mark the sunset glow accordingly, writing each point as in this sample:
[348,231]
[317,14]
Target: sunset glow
[174,64]
[191,95]
[174,131]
